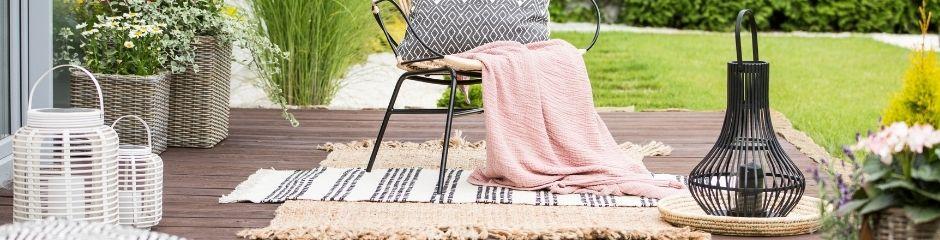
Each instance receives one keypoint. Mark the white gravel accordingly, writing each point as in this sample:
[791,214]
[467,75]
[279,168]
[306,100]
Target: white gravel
[370,85]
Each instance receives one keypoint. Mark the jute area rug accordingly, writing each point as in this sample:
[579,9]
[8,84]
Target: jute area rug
[305,219]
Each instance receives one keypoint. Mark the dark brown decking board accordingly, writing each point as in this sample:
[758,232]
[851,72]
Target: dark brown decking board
[195,178]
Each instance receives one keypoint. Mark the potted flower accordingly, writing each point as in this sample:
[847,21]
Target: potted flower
[126,54]
[197,52]
[897,195]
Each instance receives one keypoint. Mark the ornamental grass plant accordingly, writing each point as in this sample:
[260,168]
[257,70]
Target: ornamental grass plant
[323,37]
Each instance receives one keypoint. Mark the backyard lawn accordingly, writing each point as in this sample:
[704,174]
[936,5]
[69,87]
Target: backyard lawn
[831,88]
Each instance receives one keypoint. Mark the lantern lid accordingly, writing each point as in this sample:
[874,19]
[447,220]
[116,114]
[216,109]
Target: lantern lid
[134,150]
[64,118]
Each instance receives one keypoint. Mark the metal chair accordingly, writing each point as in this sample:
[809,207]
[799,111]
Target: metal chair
[433,70]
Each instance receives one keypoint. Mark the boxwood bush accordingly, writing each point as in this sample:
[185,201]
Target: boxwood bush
[893,16]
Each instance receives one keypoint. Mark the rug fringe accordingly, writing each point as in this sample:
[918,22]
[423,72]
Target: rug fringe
[457,141]
[652,148]
[244,190]
[466,232]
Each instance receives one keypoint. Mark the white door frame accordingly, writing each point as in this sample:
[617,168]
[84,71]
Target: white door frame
[30,34]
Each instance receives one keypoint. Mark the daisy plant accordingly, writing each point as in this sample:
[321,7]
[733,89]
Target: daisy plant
[123,44]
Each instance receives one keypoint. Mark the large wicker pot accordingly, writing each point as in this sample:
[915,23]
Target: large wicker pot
[144,96]
[892,223]
[199,105]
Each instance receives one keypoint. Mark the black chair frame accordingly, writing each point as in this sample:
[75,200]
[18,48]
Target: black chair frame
[441,76]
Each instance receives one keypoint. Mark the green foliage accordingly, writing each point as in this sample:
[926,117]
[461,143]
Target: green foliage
[918,102]
[476,98]
[323,39]
[836,192]
[718,15]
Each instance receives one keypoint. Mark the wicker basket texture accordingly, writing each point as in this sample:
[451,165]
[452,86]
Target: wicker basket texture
[892,223]
[144,96]
[684,211]
[199,107]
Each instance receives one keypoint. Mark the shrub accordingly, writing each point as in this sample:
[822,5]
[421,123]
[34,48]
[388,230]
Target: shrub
[718,15]
[919,99]
[476,98]
[323,38]
[918,102]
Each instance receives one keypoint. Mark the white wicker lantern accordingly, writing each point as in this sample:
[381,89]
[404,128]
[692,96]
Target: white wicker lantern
[140,182]
[65,163]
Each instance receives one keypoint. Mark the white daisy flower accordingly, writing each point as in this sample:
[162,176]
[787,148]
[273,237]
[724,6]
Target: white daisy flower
[128,44]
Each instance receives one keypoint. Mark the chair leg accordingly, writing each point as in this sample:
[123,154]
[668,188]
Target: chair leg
[447,127]
[388,114]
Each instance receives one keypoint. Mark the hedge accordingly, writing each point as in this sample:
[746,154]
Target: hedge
[893,16]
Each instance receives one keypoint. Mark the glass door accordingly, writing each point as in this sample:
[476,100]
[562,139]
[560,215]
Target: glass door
[6,93]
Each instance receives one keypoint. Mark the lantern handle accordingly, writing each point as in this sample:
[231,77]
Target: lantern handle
[32,92]
[737,33]
[142,122]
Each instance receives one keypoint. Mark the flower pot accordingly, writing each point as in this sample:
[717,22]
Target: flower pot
[199,107]
[893,223]
[144,96]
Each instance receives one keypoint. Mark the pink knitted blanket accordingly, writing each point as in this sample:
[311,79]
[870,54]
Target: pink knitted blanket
[543,131]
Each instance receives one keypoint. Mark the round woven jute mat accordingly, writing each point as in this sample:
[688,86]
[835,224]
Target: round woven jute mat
[684,211]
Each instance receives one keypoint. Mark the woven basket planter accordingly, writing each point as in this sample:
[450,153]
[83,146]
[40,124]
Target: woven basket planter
[892,223]
[144,96]
[199,107]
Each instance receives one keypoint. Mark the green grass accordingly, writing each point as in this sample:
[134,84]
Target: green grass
[830,88]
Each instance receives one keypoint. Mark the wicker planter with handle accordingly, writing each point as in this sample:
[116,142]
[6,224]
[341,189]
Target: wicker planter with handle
[199,107]
[144,96]
[893,223]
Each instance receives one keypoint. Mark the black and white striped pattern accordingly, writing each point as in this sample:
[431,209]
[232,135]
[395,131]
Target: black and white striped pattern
[406,185]
[51,229]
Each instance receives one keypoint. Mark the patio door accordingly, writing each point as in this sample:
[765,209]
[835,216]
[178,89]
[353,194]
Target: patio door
[7,100]
[25,53]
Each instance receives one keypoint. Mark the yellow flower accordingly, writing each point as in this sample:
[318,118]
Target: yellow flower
[230,11]
[136,33]
[128,44]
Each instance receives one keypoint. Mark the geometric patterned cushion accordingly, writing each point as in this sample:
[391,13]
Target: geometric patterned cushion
[454,26]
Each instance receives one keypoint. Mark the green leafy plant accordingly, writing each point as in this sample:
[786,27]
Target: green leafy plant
[836,189]
[323,37]
[460,101]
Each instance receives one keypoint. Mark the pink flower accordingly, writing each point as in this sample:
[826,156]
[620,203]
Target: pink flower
[895,136]
[933,140]
[918,137]
[878,144]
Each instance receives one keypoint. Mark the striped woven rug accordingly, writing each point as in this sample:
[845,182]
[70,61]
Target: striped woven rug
[406,185]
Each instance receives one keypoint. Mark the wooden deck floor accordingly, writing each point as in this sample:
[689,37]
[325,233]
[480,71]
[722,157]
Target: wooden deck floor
[195,178]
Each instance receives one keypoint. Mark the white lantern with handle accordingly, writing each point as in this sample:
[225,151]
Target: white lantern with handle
[140,182]
[65,163]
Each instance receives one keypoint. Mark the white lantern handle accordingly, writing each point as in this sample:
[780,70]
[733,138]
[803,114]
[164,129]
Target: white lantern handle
[142,122]
[93,79]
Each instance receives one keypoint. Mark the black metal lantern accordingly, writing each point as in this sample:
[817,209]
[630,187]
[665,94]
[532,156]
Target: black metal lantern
[747,173]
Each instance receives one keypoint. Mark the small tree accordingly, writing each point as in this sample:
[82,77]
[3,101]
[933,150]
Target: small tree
[919,99]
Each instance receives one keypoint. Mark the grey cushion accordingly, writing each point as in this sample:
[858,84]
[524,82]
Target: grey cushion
[454,26]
